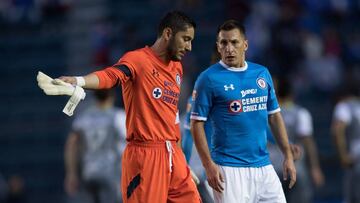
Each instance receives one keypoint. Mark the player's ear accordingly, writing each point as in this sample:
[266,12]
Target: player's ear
[167,32]
[246,45]
[218,47]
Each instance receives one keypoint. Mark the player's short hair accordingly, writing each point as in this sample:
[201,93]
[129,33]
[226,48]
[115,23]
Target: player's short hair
[176,21]
[230,25]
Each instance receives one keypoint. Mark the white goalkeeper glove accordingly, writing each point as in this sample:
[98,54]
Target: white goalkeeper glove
[58,87]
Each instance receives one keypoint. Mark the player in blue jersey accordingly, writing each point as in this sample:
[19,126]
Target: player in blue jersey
[239,98]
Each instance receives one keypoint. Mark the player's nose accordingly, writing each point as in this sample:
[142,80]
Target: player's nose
[188,46]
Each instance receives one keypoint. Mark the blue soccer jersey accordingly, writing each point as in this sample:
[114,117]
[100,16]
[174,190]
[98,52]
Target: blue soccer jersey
[238,101]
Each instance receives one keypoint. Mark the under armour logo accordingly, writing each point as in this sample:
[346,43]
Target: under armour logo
[155,73]
[231,86]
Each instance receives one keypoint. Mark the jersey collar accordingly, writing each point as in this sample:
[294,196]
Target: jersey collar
[240,69]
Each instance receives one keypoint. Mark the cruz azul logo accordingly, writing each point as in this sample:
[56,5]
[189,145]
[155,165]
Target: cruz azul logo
[261,83]
[235,106]
[229,87]
[157,92]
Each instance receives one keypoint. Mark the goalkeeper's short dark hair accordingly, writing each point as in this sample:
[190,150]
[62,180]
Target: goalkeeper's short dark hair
[176,21]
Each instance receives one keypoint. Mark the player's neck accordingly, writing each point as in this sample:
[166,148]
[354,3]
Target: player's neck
[159,48]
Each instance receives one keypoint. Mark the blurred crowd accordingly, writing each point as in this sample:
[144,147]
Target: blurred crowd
[31,11]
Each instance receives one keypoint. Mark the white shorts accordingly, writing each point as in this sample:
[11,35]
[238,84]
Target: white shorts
[250,185]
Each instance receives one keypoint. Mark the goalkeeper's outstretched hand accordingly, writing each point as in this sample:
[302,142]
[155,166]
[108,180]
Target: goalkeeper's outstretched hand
[60,87]
[54,86]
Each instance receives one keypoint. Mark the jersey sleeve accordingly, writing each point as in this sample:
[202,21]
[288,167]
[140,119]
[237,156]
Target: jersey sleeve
[112,76]
[304,126]
[272,103]
[202,98]
[342,113]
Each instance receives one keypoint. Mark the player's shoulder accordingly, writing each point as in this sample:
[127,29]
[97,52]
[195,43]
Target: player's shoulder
[302,110]
[342,105]
[178,67]
[212,70]
[256,66]
[134,55]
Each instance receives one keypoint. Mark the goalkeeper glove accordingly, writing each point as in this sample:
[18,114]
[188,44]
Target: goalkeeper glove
[58,87]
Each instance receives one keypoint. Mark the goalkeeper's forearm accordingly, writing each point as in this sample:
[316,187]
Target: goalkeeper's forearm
[90,81]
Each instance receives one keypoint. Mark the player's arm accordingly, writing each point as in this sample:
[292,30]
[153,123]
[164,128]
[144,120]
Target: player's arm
[212,170]
[71,155]
[341,118]
[279,131]
[338,131]
[90,81]
[295,149]
[106,78]
[178,132]
[312,156]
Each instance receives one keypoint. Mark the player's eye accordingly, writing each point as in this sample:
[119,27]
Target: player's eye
[235,43]
[186,38]
[223,43]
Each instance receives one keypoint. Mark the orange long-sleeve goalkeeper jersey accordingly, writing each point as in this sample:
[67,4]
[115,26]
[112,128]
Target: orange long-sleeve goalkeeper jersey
[150,95]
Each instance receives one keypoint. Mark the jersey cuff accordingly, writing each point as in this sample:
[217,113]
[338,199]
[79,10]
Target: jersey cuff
[198,118]
[274,111]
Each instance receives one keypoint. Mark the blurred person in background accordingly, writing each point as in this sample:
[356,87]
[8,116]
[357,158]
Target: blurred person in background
[153,166]
[298,122]
[239,160]
[346,133]
[93,152]
[16,192]
[3,189]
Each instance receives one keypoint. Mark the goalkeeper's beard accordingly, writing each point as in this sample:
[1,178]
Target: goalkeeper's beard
[171,50]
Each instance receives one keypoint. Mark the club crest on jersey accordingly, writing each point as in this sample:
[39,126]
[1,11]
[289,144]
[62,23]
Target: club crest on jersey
[261,83]
[157,92]
[229,87]
[235,106]
[178,79]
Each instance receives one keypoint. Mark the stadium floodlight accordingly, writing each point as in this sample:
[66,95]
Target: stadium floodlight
[58,87]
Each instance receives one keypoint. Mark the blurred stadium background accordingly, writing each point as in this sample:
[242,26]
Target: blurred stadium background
[315,43]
